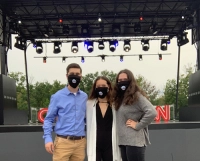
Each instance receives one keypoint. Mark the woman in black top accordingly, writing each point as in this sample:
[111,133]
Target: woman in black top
[101,123]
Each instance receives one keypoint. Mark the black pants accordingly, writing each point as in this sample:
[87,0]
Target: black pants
[104,154]
[132,153]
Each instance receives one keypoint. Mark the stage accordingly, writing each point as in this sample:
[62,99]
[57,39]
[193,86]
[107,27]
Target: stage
[171,141]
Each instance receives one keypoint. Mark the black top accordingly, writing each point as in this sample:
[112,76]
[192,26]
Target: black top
[104,123]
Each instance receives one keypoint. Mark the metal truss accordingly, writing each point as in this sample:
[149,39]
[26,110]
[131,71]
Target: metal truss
[42,16]
[137,38]
[101,56]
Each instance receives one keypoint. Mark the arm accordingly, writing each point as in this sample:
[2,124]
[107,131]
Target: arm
[49,119]
[149,112]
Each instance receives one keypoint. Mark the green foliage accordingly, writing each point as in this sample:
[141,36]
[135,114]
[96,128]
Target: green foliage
[148,88]
[40,92]
[170,90]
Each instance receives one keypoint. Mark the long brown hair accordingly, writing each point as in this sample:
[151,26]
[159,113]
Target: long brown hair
[109,95]
[131,94]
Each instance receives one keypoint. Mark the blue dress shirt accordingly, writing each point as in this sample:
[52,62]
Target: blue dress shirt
[70,110]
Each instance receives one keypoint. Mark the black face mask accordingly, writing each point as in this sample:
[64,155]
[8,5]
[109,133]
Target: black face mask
[123,85]
[74,80]
[101,92]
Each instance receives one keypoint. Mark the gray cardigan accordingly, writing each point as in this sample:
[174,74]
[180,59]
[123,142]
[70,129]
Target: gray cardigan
[142,111]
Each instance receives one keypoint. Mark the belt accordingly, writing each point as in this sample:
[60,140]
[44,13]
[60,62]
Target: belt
[72,137]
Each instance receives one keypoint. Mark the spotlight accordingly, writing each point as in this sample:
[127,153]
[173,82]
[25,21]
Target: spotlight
[89,45]
[60,20]
[163,45]
[121,58]
[160,56]
[20,44]
[39,47]
[99,18]
[44,59]
[113,45]
[137,28]
[145,45]
[140,58]
[103,58]
[182,39]
[74,47]
[127,45]
[64,59]
[101,45]
[82,59]
[57,46]
[141,18]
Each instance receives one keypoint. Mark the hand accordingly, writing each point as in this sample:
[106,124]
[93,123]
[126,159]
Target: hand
[49,147]
[131,123]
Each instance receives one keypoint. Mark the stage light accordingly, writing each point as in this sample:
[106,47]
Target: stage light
[163,45]
[101,45]
[127,45]
[102,58]
[39,47]
[145,45]
[57,46]
[82,59]
[19,21]
[64,59]
[137,28]
[113,44]
[74,47]
[20,44]
[141,18]
[140,58]
[60,20]
[182,39]
[89,46]
[121,58]
[160,56]
[44,59]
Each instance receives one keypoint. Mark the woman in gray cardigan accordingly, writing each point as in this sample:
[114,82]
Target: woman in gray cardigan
[134,114]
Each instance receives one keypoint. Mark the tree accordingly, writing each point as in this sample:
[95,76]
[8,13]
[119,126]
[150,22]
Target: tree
[20,79]
[148,88]
[171,86]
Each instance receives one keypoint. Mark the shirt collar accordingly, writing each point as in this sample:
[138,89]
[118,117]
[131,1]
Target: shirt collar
[68,91]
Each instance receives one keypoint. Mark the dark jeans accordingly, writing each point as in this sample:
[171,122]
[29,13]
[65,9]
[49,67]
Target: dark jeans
[132,153]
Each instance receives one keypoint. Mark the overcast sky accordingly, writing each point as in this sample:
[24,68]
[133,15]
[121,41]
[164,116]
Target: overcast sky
[151,68]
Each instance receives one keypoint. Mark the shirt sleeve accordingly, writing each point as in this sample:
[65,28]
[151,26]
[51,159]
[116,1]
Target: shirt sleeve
[49,119]
[149,112]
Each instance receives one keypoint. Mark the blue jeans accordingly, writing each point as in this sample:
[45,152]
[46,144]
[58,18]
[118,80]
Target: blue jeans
[132,153]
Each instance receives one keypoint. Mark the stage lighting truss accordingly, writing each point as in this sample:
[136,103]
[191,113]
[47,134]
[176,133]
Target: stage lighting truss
[104,56]
[136,38]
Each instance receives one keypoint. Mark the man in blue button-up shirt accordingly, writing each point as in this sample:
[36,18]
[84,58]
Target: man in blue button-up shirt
[68,107]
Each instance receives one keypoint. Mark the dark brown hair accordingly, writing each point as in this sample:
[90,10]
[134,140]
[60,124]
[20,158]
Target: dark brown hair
[109,95]
[73,65]
[131,94]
